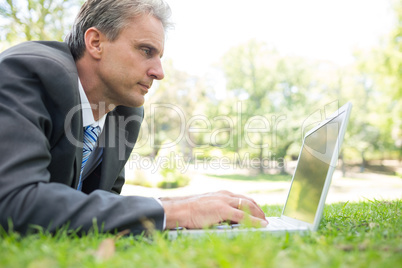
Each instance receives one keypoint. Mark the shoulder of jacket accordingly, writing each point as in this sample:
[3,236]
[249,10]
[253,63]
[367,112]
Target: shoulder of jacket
[57,52]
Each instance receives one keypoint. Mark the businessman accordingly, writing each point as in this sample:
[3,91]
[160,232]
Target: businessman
[70,114]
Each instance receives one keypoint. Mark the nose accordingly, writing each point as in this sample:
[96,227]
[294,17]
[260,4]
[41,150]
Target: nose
[156,70]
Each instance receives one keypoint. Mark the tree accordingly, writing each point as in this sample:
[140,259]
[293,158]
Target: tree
[391,72]
[382,69]
[169,110]
[246,74]
[35,20]
[275,95]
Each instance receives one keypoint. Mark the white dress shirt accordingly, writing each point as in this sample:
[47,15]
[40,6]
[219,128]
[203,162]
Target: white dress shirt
[88,120]
[87,115]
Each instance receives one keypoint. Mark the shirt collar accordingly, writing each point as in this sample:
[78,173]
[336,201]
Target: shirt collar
[87,115]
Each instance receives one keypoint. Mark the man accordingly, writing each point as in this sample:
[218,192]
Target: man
[50,92]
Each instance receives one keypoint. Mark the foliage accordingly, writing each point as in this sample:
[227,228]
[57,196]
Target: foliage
[35,20]
[365,234]
[166,170]
[169,113]
[172,176]
[382,70]
[173,179]
[278,94]
[270,101]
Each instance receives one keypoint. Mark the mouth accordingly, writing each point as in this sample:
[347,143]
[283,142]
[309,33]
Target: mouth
[144,87]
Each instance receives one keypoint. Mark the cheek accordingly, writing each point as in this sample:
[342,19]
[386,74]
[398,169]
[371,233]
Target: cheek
[124,69]
[117,61]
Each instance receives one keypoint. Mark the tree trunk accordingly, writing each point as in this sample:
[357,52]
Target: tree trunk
[261,168]
[343,166]
[363,164]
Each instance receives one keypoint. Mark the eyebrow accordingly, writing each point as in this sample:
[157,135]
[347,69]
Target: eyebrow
[150,46]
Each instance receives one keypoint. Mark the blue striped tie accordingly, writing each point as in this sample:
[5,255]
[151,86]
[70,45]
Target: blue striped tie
[90,137]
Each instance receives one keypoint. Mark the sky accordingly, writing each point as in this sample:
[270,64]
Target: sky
[320,29]
[323,29]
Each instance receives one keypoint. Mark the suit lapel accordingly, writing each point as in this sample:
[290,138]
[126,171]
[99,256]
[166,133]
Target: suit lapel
[115,153]
[117,140]
[78,160]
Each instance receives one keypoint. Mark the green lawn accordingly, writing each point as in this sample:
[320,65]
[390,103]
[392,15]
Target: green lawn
[367,234]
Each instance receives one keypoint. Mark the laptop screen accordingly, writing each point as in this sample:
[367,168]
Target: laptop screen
[311,171]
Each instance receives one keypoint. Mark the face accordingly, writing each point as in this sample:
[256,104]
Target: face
[129,64]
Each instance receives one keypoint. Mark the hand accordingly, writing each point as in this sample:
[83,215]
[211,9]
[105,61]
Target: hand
[204,210]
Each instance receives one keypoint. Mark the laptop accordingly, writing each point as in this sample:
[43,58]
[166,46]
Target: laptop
[310,183]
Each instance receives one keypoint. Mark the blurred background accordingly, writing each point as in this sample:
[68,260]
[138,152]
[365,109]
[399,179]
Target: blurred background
[244,80]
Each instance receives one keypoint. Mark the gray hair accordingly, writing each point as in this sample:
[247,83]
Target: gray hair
[110,17]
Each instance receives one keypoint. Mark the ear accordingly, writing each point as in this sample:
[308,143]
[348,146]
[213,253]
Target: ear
[93,42]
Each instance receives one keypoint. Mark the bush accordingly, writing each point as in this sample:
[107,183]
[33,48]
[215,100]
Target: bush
[172,178]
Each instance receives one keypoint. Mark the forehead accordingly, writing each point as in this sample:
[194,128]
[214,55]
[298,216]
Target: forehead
[145,29]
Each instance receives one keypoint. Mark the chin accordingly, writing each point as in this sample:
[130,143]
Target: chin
[132,100]
[136,103]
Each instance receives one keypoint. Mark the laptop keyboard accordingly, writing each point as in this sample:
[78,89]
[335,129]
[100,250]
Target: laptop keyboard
[274,223]
[278,224]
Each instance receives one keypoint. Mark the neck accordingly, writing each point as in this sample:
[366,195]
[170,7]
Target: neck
[92,90]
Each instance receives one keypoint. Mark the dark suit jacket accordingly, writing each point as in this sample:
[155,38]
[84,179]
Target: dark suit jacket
[40,153]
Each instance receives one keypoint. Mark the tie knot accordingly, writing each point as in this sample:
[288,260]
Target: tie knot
[90,136]
[92,130]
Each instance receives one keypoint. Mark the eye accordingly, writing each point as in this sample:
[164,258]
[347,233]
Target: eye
[147,51]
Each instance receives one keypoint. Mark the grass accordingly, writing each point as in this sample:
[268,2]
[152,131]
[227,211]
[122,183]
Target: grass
[365,234]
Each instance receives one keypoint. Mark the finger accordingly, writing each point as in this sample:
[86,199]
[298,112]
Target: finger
[249,207]
[239,216]
[238,196]
[246,205]
[248,198]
